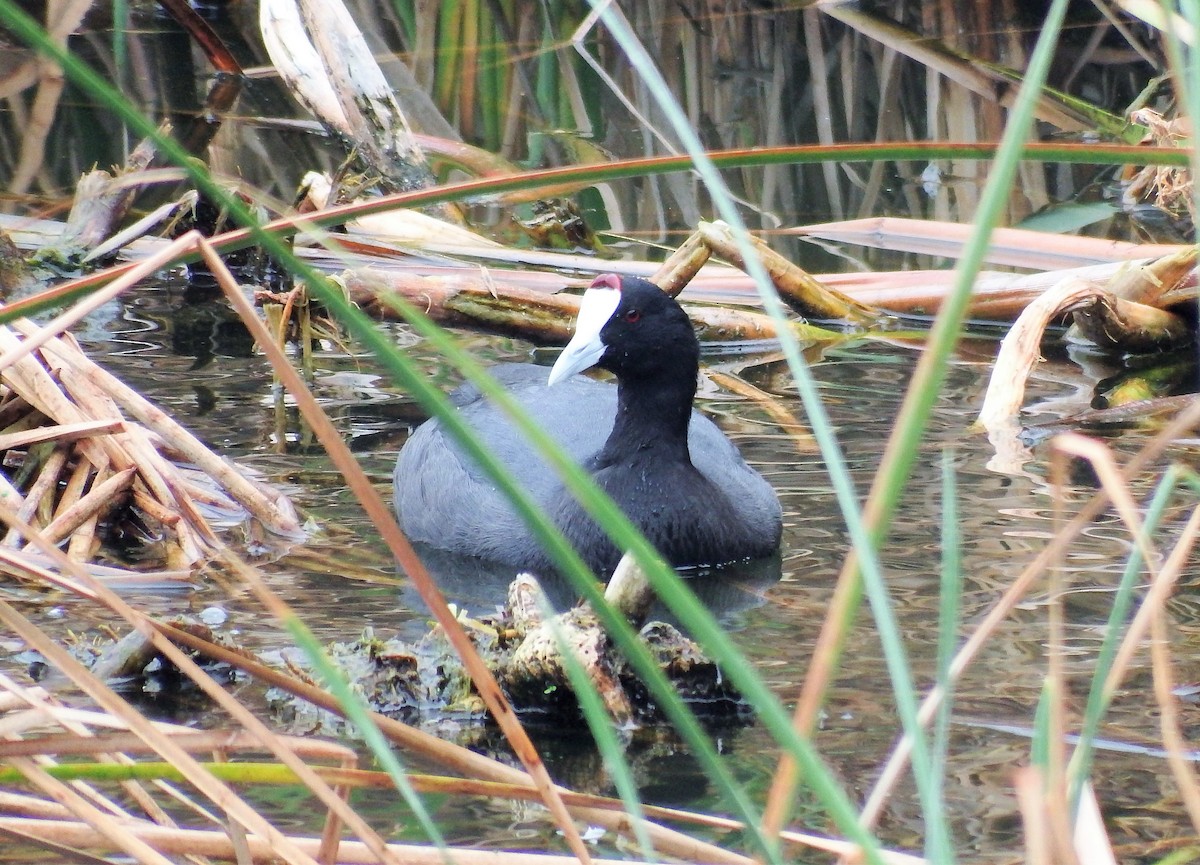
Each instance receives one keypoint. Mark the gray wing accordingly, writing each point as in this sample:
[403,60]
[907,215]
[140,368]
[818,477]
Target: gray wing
[445,499]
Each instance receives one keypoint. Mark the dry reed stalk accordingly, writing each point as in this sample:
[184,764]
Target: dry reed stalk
[103,496]
[217,845]
[278,521]
[806,294]
[973,76]
[241,742]
[822,104]
[1039,844]
[781,417]
[349,853]
[62,19]
[83,543]
[121,741]
[47,480]
[26,562]
[106,395]
[530,314]
[81,741]
[1020,351]
[215,790]
[79,733]
[38,388]
[1015,247]
[154,509]
[889,126]
[1168,718]
[899,757]
[12,804]
[45,711]
[382,516]
[107,827]
[59,433]
[53,391]
[1055,798]
[681,265]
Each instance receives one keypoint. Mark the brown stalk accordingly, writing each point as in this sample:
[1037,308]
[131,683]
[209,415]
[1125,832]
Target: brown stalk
[1019,351]
[216,791]
[95,390]
[40,389]
[137,440]
[279,522]
[242,742]
[780,416]
[898,759]
[157,511]
[1054,802]
[60,433]
[681,265]
[965,115]
[80,732]
[32,806]
[105,825]
[205,782]
[44,710]
[65,853]
[202,33]
[24,562]
[1039,845]
[46,483]
[102,497]
[1016,247]
[217,844]
[807,295]
[1168,717]
[189,739]
[61,21]
[381,517]
[533,315]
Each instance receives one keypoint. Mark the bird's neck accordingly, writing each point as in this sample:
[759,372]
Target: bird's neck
[652,418]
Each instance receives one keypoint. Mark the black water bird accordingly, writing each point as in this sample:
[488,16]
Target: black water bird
[670,469]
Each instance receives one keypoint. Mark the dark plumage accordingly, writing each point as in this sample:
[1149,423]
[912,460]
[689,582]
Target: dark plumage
[671,470]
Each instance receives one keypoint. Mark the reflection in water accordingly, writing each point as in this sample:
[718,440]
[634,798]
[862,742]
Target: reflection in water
[481,587]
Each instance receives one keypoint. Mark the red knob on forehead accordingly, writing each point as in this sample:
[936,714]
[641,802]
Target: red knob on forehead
[607,280]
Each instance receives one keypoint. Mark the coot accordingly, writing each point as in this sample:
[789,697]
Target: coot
[671,470]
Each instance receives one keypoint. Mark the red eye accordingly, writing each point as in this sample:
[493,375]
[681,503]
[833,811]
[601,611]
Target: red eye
[633,315]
